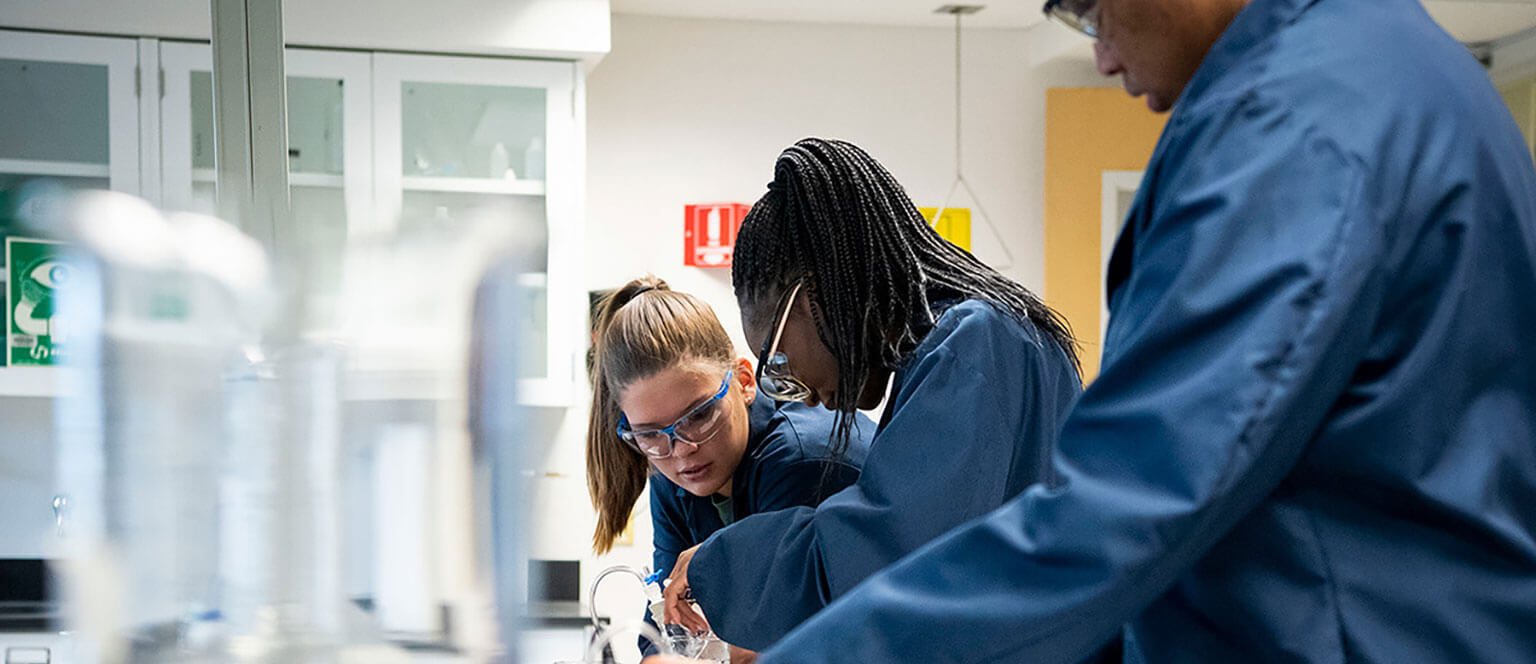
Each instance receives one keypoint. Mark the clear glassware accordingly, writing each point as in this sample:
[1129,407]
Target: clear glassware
[158,311]
[599,651]
[678,639]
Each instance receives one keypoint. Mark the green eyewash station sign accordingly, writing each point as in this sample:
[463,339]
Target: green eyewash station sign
[36,272]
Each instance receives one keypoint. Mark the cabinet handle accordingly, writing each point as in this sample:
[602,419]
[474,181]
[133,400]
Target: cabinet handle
[60,506]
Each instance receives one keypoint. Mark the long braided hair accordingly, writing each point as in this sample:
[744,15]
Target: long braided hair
[877,275]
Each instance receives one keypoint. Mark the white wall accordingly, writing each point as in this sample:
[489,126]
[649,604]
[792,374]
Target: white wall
[688,111]
[542,28]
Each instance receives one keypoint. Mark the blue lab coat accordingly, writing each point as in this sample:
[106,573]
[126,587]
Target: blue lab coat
[974,413]
[787,463]
[1314,437]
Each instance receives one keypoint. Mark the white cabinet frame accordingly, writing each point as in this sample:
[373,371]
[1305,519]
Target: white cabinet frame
[150,155]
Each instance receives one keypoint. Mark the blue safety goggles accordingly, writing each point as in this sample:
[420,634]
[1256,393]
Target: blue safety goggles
[694,428]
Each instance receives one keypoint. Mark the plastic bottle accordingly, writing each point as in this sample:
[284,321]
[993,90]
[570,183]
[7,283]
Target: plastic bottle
[501,166]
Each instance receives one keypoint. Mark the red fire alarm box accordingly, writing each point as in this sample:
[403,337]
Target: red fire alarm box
[709,233]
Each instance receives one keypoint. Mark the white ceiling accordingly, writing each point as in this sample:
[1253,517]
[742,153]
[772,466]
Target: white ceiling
[1480,21]
[998,13]
[1471,21]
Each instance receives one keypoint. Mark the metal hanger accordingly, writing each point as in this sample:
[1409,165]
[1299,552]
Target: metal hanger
[959,12]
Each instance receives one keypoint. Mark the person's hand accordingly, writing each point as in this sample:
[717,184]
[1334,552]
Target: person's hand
[680,609]
[671,659]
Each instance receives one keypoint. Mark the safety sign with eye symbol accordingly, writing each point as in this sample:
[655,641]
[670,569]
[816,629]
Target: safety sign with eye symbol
[39,272]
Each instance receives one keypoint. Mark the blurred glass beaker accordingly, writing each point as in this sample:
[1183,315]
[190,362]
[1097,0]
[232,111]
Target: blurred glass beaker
[157,312]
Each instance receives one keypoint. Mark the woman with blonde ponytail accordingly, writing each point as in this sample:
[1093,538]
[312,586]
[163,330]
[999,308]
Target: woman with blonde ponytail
[672,403]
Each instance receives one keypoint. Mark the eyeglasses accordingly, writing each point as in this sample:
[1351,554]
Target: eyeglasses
[1080,15]
[694,428]
[773,375]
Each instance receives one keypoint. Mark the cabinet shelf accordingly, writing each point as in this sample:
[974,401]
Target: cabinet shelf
[63,169]
[208,175]
[473,185]
[423,385]
[374,385]
[38,382]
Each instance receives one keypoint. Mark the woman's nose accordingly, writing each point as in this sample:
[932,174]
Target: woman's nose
[682,449]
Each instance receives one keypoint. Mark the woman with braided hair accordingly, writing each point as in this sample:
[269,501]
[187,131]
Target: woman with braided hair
[846,290]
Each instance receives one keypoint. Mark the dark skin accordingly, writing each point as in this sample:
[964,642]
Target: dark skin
[1155,46]
[809,358]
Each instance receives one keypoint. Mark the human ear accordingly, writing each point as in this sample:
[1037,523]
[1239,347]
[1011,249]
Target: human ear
[745,375]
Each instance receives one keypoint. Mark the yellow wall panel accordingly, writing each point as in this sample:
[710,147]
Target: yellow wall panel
[1088,131]
[1521,98]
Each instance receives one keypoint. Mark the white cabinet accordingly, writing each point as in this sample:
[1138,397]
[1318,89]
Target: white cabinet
[379,143]
[386,143]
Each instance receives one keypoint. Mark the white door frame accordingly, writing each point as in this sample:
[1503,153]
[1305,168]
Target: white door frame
[1111,220]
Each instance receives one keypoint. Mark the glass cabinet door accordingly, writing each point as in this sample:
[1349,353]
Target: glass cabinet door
[71,111]
[477,141]
[328,156]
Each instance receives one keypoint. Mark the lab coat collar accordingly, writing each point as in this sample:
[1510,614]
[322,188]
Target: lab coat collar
[1249,32]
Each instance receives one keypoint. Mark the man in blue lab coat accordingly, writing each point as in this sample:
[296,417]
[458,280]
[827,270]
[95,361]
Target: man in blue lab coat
[1314,436]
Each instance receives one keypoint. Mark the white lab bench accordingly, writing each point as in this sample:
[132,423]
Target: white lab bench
[539,645]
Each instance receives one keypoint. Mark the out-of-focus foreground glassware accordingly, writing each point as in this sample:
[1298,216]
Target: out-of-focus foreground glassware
[240,465]
[158,311]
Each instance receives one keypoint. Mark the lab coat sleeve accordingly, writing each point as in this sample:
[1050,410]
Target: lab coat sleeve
[670,535]
[800,482]
[1252,293]
[943,457]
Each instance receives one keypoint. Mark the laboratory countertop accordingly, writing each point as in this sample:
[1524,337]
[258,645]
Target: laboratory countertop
[557,615]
